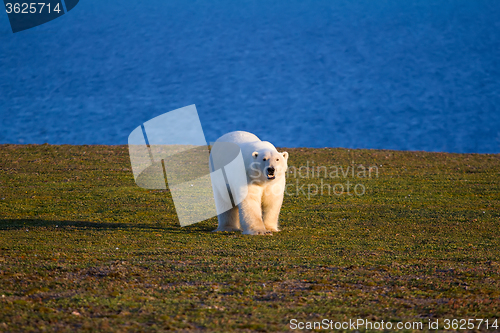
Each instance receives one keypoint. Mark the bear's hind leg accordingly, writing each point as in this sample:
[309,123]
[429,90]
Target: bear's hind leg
[229,221]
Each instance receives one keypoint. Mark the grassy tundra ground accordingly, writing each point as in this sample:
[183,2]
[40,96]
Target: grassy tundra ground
[82,247]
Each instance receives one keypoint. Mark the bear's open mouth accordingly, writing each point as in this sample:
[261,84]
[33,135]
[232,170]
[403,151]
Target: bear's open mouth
[271,176]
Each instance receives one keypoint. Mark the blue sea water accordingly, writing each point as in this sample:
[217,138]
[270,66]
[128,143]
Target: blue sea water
[390,74]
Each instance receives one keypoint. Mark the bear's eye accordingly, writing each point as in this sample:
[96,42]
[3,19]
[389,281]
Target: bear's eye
[277,159]
[263,159]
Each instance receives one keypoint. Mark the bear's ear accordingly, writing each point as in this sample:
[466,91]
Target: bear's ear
[255,154]
[285,155]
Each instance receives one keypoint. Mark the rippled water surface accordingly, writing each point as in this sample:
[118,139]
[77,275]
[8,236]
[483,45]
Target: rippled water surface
[409,75]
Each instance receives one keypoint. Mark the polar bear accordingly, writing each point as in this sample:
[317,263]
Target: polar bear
[265,170]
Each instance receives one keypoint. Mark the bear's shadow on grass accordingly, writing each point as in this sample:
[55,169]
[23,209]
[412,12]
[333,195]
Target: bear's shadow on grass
[13,224]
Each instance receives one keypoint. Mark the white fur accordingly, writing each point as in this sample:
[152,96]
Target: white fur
[258,213]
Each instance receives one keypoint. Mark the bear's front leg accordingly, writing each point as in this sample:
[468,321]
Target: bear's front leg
[271,205]
[271,212]
[251,214]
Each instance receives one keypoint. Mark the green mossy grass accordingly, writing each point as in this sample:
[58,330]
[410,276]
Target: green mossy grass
[83,248]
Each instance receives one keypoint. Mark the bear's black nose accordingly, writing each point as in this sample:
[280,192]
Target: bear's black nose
[270,171]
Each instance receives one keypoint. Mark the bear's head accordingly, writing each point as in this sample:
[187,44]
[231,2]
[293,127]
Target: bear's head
[268,165]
